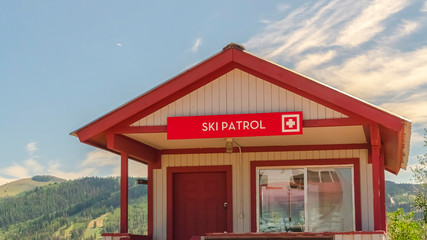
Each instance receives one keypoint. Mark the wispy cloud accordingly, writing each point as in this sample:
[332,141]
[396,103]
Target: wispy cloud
[413,107]
[365,48]
[101,158]
[196,45]
[6,180]
[320,40]
[306,28]
[424,8]
[96,163]
[378,73]
[311,61]
[369,22]
[16,171]
[31,148]
[29,167]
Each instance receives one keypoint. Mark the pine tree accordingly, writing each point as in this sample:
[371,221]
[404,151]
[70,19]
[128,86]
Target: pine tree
[420,175]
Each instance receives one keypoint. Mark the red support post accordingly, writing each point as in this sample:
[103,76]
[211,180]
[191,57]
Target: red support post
[377,178]
[124,193]
[382,192]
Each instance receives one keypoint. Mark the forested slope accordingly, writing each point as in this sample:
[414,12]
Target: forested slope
[87,207]
[69,206]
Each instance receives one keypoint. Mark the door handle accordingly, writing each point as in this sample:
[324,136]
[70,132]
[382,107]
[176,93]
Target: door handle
[225,205]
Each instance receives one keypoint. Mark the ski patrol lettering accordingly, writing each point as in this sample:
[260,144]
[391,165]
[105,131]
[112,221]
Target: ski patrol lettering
[236,125]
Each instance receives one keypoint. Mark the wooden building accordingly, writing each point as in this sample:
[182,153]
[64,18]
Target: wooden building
[240,147]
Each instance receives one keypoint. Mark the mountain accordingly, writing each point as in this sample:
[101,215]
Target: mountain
[16,187]
[75,209]
[400,195]
[85,208]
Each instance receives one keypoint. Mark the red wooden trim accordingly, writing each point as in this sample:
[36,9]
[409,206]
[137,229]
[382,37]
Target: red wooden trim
[175,94]
[150,207]
[377,173]
[127,236]
[382,194]
[141,129]
[254,212]
[132,147]
[335,122]
[158,161]
[400,146]
[323,94]
[171,170]
[124,186]
[357,195]
[253,65]
[156,95]
[267,148]
[354,161]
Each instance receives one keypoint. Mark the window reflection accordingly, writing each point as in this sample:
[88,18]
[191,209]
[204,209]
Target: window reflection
[330,200]
[281,200]
[329,196]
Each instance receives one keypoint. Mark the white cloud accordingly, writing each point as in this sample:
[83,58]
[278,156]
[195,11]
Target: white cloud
[368,23]
[407,27]
[136,169]
[196,45]
[33,167]
[54,169]
[31,148]
[416,138]
[297,33]
[413,107]
[310,61]
[6,180]
[96,163]
[100,158]
[16,172]
[378,73]
[362,47]
[282,7]
[424,8]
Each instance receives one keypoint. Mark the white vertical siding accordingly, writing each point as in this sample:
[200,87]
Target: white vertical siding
[371,236]
[241,180]
[238,92]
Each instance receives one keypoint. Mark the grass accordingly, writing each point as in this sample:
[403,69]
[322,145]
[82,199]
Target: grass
[19,186]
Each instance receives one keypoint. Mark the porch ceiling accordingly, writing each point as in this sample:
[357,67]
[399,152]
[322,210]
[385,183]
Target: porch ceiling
[311,136]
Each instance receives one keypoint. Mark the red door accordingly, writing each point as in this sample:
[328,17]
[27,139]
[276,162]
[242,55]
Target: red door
[199,204]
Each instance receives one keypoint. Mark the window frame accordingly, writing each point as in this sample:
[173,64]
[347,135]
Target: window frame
[354,163]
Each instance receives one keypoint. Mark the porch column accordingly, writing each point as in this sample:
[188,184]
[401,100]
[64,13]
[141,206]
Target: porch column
[378,179]
[124,193]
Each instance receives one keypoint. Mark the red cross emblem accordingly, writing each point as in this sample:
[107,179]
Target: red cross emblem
[291,123]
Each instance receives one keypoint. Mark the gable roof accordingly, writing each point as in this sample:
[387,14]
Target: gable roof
[394,130]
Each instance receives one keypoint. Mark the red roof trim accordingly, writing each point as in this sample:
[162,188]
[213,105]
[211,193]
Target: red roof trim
[95,132]
[135,149]
[306,86]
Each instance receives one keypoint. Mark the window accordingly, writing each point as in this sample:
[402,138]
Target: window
[310,199]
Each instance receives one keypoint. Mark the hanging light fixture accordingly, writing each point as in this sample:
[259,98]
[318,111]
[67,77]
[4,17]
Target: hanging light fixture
[229,145]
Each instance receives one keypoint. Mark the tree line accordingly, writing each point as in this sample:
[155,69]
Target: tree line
[46,211]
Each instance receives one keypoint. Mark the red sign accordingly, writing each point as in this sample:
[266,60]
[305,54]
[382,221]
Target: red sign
[238,125]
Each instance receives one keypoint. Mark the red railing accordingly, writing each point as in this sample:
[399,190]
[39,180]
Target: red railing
[126,236]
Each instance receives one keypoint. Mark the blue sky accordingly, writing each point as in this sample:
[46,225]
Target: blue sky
[65,63]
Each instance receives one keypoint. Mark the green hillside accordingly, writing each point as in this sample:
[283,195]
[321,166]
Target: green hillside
[65,210]
[16,187]
[86,208]
[401,195]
